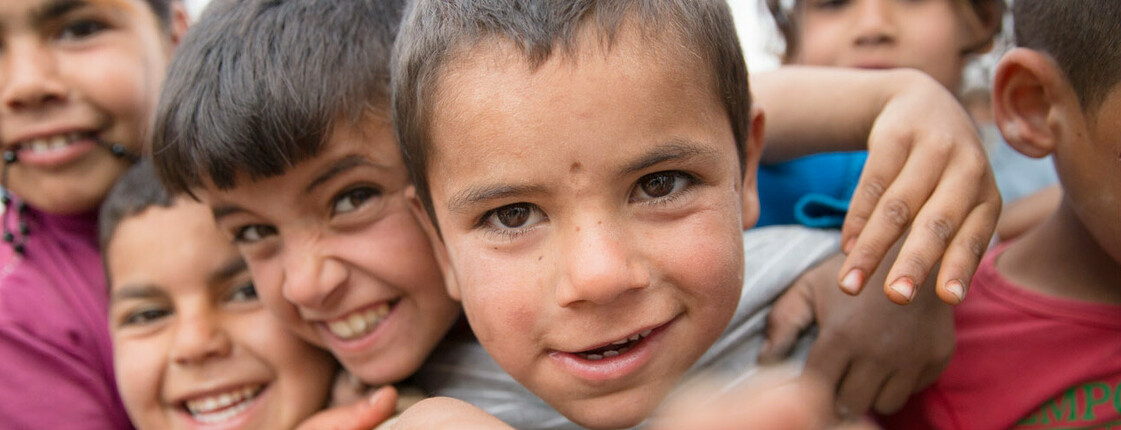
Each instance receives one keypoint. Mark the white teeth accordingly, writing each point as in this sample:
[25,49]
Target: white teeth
[359,323]
[611,353]
[621,341]
[615,352]
[40,145]
[646,333]
[595,357]
[222,407]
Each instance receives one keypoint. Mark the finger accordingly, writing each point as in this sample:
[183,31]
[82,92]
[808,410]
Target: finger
[880,170]
[356,416]
[790,315]
[858,389]
[893,214]
[936,224]
[895,393]
[966,251]
[829,359]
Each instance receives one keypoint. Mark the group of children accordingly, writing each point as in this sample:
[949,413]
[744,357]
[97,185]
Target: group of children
[539,214]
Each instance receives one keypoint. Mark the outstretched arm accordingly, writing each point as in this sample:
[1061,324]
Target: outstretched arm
[926,170]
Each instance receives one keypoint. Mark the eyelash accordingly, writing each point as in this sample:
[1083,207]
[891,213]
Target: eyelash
[91,27]
[371,193]
[241,232]
[509,233]
[675,193]
[144,316]
[241,292]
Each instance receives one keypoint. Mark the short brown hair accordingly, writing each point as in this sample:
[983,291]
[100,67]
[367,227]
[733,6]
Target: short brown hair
[1084,38]
[434,32]
[989,12]
[256,85]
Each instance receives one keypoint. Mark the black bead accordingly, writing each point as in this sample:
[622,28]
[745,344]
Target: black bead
[23,229]
[18,248]
[8,237]
[5,200]
[9,156]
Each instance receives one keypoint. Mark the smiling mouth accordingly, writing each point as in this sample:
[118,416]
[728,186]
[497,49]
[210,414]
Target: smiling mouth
[45,144]
[614,348]
[222,407]
[360,323]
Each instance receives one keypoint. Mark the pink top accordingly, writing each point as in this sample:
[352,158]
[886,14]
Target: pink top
[1024,360]
[56,368]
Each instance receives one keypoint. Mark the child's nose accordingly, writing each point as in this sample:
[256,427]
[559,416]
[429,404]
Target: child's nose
[600,265]
[30,77]
[875,24]
[313,280]
[199,338]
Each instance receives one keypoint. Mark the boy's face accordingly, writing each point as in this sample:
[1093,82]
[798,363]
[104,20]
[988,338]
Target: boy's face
[193,347]
[73,72]
[929,35]
[590,212]
[336,252]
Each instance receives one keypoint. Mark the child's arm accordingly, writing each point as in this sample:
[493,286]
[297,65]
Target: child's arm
[926,169]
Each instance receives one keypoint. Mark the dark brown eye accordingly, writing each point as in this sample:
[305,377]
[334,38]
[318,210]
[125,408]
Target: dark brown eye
[513,216]
[658,184]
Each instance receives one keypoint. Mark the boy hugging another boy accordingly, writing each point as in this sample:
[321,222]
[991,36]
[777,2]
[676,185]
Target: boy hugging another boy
[1039,341]
[582,177]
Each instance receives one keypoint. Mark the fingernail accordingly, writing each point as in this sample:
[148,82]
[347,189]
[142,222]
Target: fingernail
[904,287]
[381,392]
[956,288]
[852,281]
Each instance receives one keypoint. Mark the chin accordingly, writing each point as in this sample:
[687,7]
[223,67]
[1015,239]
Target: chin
[617,414]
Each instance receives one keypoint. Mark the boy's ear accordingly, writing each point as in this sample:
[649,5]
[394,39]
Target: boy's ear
[180,21]
[437,243]
[754,147]
[1027,87]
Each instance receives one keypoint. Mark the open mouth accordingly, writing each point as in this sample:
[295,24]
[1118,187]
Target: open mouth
[360,323]
[614,348]
[46,144]
[217,408]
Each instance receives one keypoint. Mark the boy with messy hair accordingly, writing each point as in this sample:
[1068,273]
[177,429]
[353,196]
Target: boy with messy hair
[584,184]
[78,81]
[1049,301]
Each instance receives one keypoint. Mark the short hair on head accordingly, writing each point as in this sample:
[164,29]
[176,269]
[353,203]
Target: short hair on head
[257,85]
[136,190]
[434,32]
[988,12]
[1083,37]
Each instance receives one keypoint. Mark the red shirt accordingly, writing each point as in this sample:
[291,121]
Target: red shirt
[1024,360]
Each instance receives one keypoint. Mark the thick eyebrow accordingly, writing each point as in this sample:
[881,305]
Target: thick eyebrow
[127,292]
[472,196]
[53,10]
[675,150]
[339,167]
[232,268]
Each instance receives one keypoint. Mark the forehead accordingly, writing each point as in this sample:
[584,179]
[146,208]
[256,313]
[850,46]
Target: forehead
[493,94]
[37,12]
[169,246]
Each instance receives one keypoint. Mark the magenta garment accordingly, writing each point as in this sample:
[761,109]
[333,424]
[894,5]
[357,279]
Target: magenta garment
[1025,361]
[56,368]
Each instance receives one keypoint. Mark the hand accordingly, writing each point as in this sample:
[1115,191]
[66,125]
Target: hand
[875,353]
[361,415]
[926,171]
[348,389]
[773,399]
[446,412]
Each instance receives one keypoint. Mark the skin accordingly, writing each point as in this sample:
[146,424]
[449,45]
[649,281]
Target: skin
[555,246]
[186,324]
[95,69]
[334,235]
[1076,253]
[930,35]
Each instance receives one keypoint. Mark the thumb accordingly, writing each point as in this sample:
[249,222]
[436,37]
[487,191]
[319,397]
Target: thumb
[360,415]
[791,314]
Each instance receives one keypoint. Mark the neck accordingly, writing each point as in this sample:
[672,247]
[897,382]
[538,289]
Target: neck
[1061,258]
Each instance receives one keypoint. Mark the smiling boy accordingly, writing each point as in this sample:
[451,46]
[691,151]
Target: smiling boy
[583,179]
